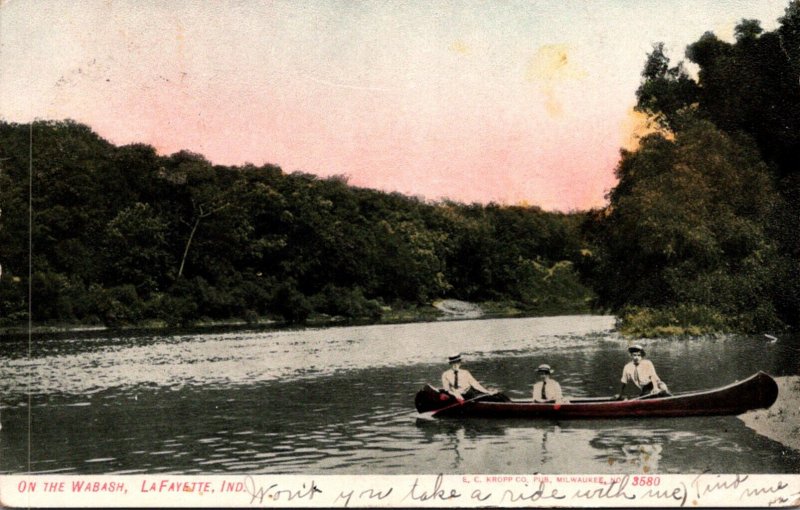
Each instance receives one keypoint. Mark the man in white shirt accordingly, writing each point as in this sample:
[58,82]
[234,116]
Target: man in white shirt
[459,382]
[547,389]
[641,373]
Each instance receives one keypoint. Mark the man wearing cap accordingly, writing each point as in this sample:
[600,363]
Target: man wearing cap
[642,374]
[460,383]
[547,390]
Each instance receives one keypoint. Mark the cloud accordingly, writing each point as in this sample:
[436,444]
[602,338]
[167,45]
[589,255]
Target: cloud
[552,64]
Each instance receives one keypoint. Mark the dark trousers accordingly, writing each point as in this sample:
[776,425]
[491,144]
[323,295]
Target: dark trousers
[473,393]
[647,388]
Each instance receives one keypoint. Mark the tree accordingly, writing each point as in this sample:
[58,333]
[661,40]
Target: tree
[789,35]
[664,90]
[747,29]
[136,249]
[206,190]
[688,224]
[752,87]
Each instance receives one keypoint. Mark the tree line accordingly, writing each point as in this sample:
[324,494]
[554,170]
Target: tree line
[122,235]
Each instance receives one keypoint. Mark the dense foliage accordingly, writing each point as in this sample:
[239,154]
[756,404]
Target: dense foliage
[701,230]
[121,235]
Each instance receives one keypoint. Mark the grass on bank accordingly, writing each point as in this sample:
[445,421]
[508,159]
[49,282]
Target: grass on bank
[688,319]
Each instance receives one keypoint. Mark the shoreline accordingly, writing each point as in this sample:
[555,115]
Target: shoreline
[781,422]
[432,313]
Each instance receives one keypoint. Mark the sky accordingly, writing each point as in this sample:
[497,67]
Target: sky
[513,102]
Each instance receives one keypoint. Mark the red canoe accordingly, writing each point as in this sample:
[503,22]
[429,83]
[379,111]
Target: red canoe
[755,392]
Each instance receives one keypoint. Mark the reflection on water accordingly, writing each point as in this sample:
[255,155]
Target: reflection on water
[712,444]
[341,401]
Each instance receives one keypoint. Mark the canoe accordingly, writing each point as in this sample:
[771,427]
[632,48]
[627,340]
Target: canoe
[755,392]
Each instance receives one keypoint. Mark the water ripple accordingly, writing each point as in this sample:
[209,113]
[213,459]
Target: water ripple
[226,359]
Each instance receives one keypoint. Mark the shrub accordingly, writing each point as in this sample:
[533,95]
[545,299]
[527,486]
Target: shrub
[349,303]
[117,306]
[175,310]
[681,319]
[291,304]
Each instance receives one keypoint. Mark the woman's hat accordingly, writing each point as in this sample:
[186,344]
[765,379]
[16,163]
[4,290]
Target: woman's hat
[544,368]
[454,359]
[636,348]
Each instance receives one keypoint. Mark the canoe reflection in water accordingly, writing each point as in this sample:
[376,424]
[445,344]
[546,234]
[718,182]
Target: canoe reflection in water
[467,444]
[645,457]
[640,447]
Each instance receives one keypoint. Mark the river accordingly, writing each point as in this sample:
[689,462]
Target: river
[340,401]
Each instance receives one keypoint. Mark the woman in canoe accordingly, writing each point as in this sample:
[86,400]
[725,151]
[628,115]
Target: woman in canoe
[641,373]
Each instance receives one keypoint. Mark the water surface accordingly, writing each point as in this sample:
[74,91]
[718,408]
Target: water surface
[340,401]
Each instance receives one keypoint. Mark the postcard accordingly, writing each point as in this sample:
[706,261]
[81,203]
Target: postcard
[399,254]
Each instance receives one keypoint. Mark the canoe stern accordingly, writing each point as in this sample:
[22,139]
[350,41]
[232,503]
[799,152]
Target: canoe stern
[430,399]
[767,390]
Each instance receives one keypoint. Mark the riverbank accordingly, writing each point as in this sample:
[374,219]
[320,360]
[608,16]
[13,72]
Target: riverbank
[781,422]
[688,320]
[448,309]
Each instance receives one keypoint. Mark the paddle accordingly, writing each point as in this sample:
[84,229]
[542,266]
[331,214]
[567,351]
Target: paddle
[429,414]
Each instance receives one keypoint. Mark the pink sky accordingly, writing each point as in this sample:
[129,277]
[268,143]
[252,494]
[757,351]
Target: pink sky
[512,102]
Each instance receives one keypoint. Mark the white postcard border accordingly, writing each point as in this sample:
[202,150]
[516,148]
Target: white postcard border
[391,491]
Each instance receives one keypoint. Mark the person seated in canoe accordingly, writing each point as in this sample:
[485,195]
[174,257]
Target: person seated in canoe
[459,383]
[547,389]
[641,373]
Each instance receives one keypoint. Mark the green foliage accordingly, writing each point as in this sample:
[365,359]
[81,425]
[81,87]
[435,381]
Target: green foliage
[688,226]
[678,320]
[175,309]
[748,29]
[291,304]
[701,231]
[124,236]
[135,248]
[683,209]
[789,35]
[349,303]
[117,306]
[664,90]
